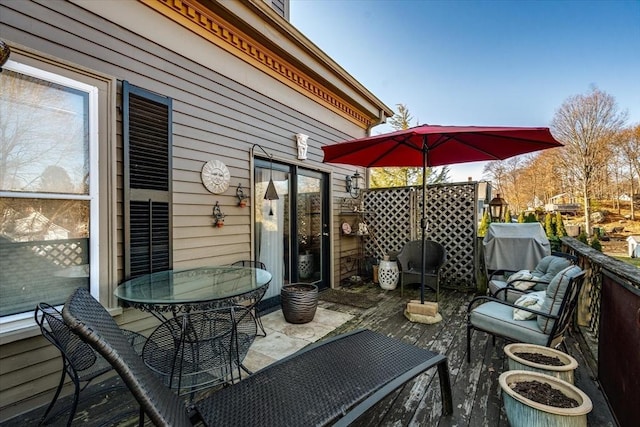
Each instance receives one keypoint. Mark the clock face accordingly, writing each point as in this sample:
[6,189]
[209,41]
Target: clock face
[215,176]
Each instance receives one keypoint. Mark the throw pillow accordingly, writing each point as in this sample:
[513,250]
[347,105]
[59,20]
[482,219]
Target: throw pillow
[531,300]
[520,280]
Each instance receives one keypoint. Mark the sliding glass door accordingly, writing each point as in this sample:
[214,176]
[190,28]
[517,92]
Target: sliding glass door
[292,232]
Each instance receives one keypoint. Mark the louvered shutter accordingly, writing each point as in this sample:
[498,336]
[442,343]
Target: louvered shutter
[147,181]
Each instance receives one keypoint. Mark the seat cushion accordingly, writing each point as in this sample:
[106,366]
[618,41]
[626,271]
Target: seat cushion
[497,319]
[554,294]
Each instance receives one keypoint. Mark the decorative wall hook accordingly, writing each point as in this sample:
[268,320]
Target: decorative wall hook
[218,216]
[242,197]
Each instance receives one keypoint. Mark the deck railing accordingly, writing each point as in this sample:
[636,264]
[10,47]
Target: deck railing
[608,325]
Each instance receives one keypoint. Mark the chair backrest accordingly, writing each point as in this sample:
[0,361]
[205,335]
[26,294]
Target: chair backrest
[249,263]
[78,354]
[561,300]
[411,256]
[549,266]
[93,324]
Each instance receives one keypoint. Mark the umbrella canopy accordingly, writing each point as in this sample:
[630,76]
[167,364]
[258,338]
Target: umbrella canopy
[433,145]
[444,145]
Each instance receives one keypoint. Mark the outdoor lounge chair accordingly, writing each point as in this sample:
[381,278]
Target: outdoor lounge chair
[535,280]
[333,381]
[79,361]
[410,258]
[496,316]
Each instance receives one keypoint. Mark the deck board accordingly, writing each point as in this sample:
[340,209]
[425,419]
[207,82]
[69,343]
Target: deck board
[476,393]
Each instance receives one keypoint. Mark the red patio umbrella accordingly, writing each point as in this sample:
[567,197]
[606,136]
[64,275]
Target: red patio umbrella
[432,145]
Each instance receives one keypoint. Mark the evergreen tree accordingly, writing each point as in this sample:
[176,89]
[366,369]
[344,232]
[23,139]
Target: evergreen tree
[521,217]
[560,230]
[507,216]
[531,217]
[595,243]
[582,237]
[484,224]
[548,226]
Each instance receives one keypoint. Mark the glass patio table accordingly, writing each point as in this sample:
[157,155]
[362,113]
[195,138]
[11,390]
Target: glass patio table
[187,350]
[199,288]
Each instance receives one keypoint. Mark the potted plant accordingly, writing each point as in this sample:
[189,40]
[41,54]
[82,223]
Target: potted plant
[299,302]
[535,399]
[536,358]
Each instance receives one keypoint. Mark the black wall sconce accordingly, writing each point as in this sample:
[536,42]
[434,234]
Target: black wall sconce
[497,208]
[218,216]
[242,197]
[271,193]
[354,184]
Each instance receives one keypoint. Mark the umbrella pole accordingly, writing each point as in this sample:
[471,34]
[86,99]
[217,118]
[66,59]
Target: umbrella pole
[423,220]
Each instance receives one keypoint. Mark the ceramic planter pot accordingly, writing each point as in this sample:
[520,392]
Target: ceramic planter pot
[305,265]
[388,274]
[564,372]
[299,302]
[523,412]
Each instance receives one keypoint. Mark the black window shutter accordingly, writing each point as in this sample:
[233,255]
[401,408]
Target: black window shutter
[147,181]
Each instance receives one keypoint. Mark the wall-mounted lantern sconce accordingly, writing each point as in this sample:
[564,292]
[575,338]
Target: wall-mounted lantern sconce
[4,53]
[497,208]
[271,193]
[354,184]
[242,197]
[218,216]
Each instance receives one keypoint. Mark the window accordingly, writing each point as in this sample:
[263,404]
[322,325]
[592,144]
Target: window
[48,188]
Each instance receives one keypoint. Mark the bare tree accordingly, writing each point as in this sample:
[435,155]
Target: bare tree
[586,125]
[629,149]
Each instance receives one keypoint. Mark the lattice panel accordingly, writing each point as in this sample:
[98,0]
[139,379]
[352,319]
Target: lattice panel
[394,217]
[389,219]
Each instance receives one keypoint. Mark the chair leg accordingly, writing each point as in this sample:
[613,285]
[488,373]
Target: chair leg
[468,343]
[76,398]
[258,320]
[56,395]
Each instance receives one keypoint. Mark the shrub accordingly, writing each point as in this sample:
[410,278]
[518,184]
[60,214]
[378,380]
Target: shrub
[560,230]
[582,237]
[484,224]
[595,243]
[521,218]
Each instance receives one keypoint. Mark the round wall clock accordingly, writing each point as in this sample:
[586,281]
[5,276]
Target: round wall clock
[215,176]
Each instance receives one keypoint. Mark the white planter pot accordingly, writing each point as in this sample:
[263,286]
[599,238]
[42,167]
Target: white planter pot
[388,274]
[305,265]
[564,372]
[523,412]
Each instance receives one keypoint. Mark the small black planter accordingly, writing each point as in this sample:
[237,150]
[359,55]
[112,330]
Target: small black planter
[299,302]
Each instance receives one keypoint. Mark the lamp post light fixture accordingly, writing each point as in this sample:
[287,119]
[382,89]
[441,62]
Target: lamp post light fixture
[497,208]
[354,184]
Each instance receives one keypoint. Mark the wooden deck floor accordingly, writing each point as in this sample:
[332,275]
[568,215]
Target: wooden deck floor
[476,393]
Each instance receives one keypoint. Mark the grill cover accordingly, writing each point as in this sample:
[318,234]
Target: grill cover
[515,246]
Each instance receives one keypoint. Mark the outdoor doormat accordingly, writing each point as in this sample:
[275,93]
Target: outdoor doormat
[355,299]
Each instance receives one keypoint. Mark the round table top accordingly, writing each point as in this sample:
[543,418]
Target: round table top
[192,286]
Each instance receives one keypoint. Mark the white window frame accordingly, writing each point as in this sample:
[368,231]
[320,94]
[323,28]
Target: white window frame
[16,322]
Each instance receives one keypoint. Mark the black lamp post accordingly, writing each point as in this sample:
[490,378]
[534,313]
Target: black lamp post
[497,208]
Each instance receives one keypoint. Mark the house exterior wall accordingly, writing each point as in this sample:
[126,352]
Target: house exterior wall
[223,102]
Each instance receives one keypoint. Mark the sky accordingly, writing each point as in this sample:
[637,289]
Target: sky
[483,63]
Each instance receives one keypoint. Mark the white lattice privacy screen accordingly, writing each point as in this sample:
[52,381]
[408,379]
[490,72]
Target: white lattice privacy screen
[394,218]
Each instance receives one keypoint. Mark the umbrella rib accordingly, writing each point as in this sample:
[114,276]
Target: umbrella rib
[442,140]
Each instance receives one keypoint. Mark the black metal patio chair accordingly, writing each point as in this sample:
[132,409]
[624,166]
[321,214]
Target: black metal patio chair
[331,382]
[410,258]
[548,324]
[197,350]
[79,361]
[256,310]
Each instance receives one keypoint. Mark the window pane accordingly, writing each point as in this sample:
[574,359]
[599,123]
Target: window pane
[44,252]
[44,135]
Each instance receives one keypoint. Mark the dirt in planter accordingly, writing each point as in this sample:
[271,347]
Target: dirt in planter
[544,393]
[541,359]
[298,288]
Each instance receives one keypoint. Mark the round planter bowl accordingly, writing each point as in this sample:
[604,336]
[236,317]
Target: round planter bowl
[299,302]
[523,412]
[564,372]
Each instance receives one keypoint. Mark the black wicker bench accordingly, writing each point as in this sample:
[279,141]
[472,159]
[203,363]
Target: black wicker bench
[334,381]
